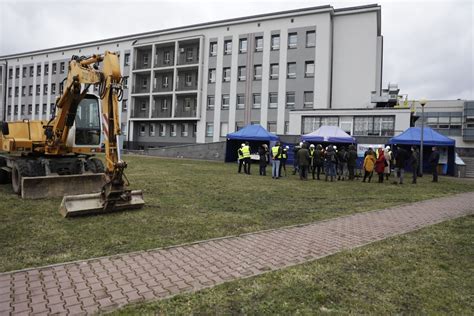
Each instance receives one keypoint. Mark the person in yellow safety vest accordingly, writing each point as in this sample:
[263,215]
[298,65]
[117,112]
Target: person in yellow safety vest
[276,157]
[240,157]
[246,155]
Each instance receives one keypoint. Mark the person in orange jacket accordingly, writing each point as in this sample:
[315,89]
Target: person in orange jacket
[369,163]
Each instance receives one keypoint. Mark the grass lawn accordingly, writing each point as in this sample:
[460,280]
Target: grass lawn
[427,272]
[188,201]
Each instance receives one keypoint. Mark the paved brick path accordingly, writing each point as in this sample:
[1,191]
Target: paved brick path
[85,287]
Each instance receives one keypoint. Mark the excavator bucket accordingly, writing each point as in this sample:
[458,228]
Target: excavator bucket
[76,205]
[56,186]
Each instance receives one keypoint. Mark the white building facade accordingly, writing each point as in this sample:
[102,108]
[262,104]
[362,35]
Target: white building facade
[290,71]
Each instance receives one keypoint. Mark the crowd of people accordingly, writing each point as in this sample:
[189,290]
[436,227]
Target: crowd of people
[338,163]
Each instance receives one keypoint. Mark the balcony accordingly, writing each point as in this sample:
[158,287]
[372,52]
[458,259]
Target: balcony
[142,57]
[186,105]
[161,107]
[187,79]
[163,81]
[188,52]
[164,55]
[140,108]
[141,83]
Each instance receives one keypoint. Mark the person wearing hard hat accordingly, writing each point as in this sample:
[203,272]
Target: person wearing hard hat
[312,157]
[246,154]
[240,156]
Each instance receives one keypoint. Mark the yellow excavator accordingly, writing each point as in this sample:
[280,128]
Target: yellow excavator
[57,157]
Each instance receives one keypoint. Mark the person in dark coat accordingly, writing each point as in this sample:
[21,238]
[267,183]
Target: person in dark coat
[319,160]
[284,158]
[342,156]
[303,161]
[330,159]
[434,161]
[263,153]
[401,158]
[414,163]
[352,161]
[295,161]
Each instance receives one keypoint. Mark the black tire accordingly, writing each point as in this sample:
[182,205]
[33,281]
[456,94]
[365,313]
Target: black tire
[4,177]
[19,170]
[95,165]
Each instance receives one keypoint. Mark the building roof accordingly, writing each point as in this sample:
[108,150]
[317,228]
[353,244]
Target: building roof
[266,16]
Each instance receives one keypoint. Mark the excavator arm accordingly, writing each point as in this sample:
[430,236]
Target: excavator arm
[84,72]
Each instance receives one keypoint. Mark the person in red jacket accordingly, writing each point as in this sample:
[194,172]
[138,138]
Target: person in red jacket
[380,165]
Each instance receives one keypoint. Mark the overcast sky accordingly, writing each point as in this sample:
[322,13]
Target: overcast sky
[428,45]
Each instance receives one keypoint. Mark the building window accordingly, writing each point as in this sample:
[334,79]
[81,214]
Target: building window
[188,79]
[291,71]
[226,74]
[224,129]
[9,110]
[32,70]
[142,129]
[165,81]
[167,57]
[276,42]
[55,66]
[23,91]
[16,91]
[38,91]
[61,88]
[212,75]
[173,129]
[30,90]
[184,129]
[290,99]
[164,104]
[46,69]
[45,109]
[17,72]
[213,49]
[125,82]
[37,110]
[273,100]
[309,69]
[145,60]
[274,71]
[209,129]
[152,129]
[225,101]
[16,109]
[23,72]
[162,129]
[258,43]
[126,59]
[61,67]
[256,101]
[30,109]
[310,38]
[257,72]
[287,128]
[242,73]
[374,125]
[211,101]
[189,54]
[243,45]
[272,127]
[308,99]
[45,89]
[10,73]
[9,92]
[239,125]
[22,109]
[143,106]
[312,123]
[53,88]
[240,101]
[124,105]
[187,104]
[228,47]
[292,40]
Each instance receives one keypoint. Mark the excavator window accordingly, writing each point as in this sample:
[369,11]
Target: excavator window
[88,122]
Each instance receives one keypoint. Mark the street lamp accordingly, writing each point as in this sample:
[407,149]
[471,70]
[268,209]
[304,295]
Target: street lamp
[422,103]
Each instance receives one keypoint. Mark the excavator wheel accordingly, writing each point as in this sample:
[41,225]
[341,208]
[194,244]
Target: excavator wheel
[19,170]
[95,165]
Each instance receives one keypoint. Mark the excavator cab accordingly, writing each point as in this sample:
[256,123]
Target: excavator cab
[87,124]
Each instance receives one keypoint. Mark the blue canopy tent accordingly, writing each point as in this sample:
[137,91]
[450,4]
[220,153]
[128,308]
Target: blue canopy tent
[329,134]
[255,134]
[412,137]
